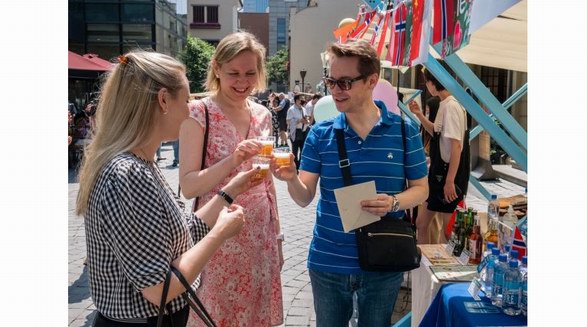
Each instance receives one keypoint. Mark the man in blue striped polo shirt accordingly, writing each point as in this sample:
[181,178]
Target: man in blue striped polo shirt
[373,138]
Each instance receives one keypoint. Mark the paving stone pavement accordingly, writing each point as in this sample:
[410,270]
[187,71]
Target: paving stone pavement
[297,224]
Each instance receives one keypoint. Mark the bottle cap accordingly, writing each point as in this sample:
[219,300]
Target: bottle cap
[513,263]
[514,254]
[507,248]
[493,196]
[503,257]
[490,245]
[524,259]
[495,251]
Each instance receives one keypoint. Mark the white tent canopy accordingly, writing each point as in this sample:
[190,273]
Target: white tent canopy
[501,43]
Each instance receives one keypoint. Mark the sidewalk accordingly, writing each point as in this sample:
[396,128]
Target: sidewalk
[296,222]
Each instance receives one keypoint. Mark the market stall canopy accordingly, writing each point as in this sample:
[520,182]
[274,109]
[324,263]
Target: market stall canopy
[502,42]
[97,60]
[78,62]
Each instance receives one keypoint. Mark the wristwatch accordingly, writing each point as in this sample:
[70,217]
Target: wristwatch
[395,204]
[225,196]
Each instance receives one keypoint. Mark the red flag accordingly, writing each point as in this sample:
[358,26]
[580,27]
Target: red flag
[376,30]
[382,40]
[444,16]
[519,243]
[396,53]
[364,25]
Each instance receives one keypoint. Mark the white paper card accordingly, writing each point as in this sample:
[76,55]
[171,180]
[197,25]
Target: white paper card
[450,246]
[464,258]
[474,288]
[348,200]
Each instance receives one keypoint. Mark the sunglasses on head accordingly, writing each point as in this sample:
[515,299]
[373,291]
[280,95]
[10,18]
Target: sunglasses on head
[344,84]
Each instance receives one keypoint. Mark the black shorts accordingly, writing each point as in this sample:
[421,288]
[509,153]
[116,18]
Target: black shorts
[282,125]
[435,199]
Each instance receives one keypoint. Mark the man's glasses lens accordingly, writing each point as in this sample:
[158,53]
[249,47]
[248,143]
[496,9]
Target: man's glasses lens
[344,84]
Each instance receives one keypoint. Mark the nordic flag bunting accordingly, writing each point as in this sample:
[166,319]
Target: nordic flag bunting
[452,19]
[410,25]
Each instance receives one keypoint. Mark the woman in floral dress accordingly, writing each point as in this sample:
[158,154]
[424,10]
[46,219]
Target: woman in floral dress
[241,285]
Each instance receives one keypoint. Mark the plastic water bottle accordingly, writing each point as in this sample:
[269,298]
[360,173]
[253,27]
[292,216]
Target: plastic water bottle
[511,289]
[482,267]
[491,260]
[498,280]
[506,250]
[513,255]
[524,287]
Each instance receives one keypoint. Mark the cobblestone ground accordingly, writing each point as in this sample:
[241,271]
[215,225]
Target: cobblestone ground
[297,224]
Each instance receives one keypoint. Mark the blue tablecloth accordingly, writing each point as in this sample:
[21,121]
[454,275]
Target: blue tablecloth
[448,309]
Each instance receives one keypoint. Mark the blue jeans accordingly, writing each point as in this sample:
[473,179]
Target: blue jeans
[333,297]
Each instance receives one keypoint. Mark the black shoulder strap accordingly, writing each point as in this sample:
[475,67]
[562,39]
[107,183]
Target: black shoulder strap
[164,298]
[198,307]
[411,214]
[343,163]
[204,149]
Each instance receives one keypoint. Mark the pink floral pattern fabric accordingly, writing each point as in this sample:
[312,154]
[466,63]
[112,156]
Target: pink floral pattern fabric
[241,285]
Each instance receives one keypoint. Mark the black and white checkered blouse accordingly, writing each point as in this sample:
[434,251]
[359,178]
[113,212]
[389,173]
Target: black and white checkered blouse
[134,229]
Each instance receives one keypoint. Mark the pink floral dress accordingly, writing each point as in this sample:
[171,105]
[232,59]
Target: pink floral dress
[241,285]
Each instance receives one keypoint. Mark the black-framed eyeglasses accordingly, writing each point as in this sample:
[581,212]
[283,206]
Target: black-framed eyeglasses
[345,84]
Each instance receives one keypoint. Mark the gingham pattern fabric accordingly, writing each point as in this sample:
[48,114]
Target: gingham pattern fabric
[134,229]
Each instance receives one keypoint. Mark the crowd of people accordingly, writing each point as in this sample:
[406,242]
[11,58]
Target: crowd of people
[229,245]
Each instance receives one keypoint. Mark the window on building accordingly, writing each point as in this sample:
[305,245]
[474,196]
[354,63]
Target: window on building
[102,13]
[101,33]
[138,13]
[205,17]
[199,14]
[496,81]
[281,33]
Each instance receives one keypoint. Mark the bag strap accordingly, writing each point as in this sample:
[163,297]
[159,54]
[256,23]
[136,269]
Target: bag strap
[204,148]
[198,307]
[411,214]
[164,298]
[344,164]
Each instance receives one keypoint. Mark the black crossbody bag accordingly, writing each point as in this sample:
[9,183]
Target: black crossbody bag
[388,244]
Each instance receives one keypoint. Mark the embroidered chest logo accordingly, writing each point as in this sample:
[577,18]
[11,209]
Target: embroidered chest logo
[390,156]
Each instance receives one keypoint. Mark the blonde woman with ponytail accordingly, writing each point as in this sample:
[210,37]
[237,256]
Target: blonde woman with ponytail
[134,227]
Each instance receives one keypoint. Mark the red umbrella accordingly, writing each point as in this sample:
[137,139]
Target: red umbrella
[78,62]
[97,60]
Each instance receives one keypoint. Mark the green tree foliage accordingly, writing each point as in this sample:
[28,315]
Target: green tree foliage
[277,67]
[196,56]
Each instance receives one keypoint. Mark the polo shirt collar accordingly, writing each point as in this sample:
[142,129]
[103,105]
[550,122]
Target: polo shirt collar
[341,123]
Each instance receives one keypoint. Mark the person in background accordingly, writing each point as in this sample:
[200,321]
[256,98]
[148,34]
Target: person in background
[310,107]
[431,109]
[281,110]
[158,153]
[375,154]
[297,127]
[449,171]
[175,145]
[241,285]
[135,228]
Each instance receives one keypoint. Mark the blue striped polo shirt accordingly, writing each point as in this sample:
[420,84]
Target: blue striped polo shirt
[379,158]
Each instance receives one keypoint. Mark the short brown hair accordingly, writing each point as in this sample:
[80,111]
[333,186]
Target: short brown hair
[368,60]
